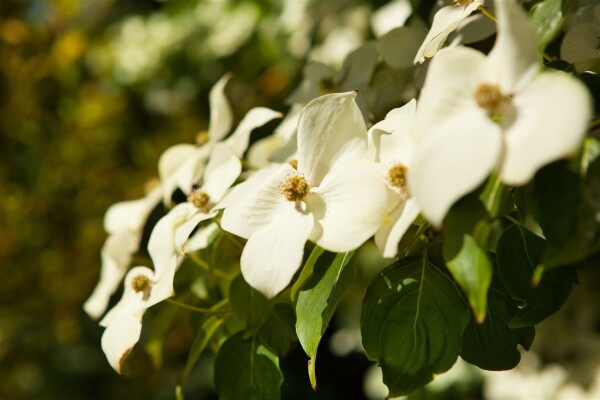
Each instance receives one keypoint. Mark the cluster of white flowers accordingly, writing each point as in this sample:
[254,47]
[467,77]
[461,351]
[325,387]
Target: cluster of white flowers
[340,183]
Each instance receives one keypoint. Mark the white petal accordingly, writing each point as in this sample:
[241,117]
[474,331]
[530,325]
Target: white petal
[349,205]
[185,169]
[515,52]
[260,202]
[222,170]
[255,118]
[444,22]
[253,182]
[552,114]
[452,162]
[128,216]
[182,233]
[331,128]
[116,256]
[452,79]
[221,117]
[274,253]
[581,43]
[390,16]
[399,220]
[392,137]
[131,302]
[201,239]
[120,337]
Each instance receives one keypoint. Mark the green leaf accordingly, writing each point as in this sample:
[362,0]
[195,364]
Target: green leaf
[307,271]
[464,218]
[399,46]
[278,332]
[472,270]
[318,299]
[246,369]
[518,254]
[492,345]
[249,304]
[496,197]
[412,322]
[206,332]
[524,336]
[547,18]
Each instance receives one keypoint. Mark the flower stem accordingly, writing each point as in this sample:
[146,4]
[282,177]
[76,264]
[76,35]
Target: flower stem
[205,266]
[198,309]
[487,13]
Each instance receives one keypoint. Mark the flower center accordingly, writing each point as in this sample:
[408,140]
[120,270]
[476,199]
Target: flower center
[490,98]
[200,199]
[202,137]
[397,176]
[142,284]
[295,188]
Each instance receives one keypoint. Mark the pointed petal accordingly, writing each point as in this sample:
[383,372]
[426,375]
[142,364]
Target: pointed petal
[221,117]
[551,122]
[452,162]
[515,52]
[169,163]
[399,220]
[349,205]
[186,172]
[116,256]
[274,253]
[221,172]
[444,22]
[255,118]
[182,233]
[258,203]
[452,78]
[201,239]
[120,337]
[396,127]
[331,128]
[129,216]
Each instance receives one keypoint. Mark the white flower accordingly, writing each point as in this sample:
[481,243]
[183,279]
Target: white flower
[478,113]
[143,289]
[334,197]
[393,146]
[181,166]
[446,20]
[124,222]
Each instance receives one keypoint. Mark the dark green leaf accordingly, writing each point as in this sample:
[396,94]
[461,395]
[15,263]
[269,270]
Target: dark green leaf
[463,219]
[547,18]
[206,332]
[524,336]
[249,304]
[319,298]
[412,322]
[246,369]
[472,270]
[278,332]
[519,253]
[492,345]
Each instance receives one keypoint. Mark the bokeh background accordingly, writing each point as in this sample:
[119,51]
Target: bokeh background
[91,93]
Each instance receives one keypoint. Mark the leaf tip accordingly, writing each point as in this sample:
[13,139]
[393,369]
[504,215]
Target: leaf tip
[537,275]
[311,373]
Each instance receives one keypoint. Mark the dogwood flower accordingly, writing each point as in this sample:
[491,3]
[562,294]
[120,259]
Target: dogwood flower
[181,166]
[392,145]
[124,222]
[445,21]
[331,196]
[143,289]
[478,113]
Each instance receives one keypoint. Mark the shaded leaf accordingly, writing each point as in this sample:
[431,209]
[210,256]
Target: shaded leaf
[246,369]
[399,46]
[206,332]
[547,18]
[278,332]
[412,322]
[248,303]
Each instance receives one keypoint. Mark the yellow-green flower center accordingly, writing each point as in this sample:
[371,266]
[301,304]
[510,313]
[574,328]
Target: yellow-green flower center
[295,188]
[490,98]
[397,176]
[141,284]
[200,199]
[202,137]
